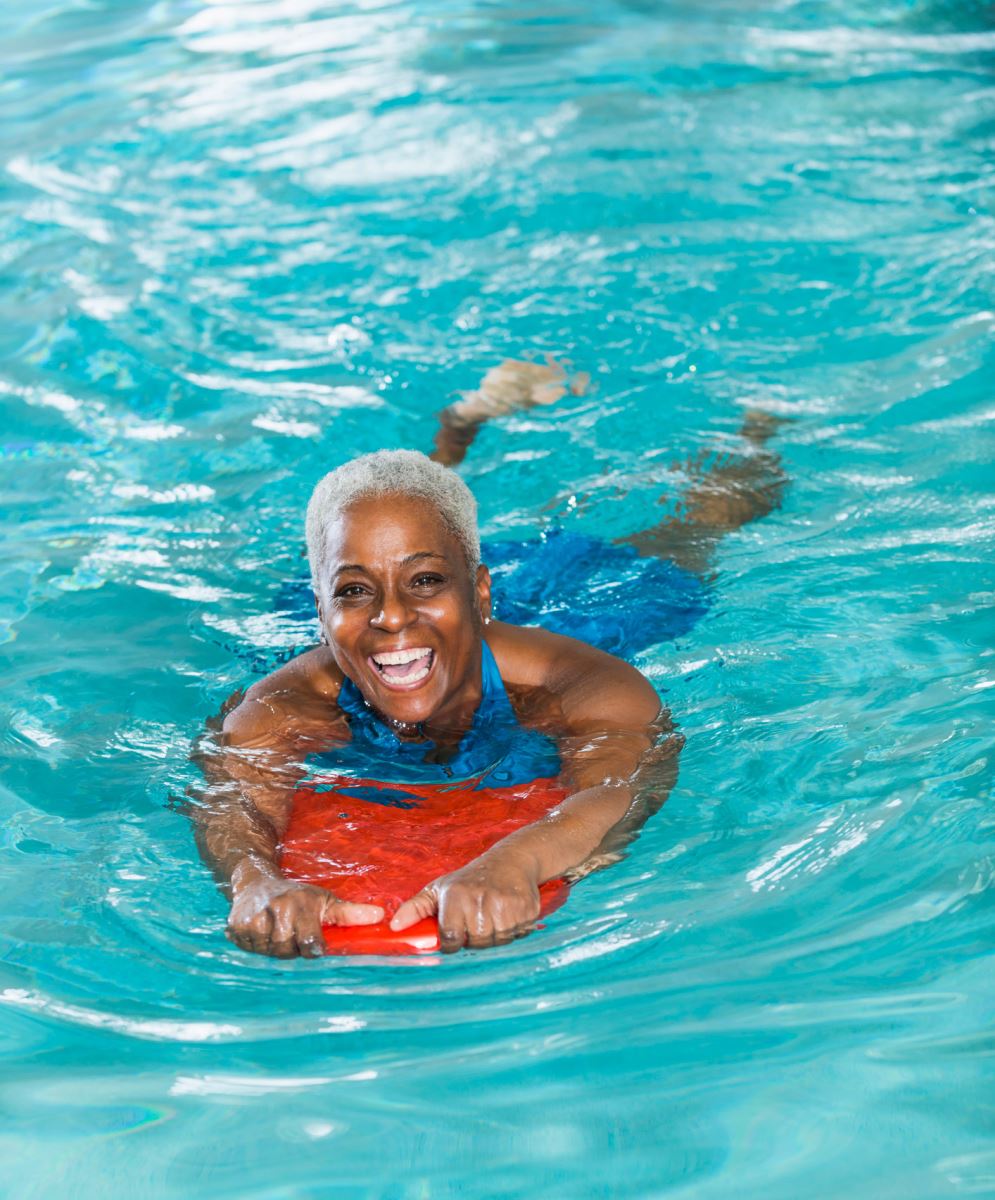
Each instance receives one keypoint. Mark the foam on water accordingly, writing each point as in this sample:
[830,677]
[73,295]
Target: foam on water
[242,241]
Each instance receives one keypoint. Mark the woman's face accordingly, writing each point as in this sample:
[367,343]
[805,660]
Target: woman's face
[400,611]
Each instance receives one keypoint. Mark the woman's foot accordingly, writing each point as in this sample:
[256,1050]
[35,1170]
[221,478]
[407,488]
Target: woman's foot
[513,386]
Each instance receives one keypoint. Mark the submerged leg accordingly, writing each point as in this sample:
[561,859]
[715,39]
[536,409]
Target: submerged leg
[510,387]
[725,495]
[726,492]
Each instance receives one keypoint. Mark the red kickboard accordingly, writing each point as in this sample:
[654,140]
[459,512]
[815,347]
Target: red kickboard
[380,843]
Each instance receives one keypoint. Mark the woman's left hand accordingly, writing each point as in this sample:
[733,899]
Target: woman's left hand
[489,902]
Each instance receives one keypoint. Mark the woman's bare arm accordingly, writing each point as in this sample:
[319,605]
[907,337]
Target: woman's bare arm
[619,762]
[252,766]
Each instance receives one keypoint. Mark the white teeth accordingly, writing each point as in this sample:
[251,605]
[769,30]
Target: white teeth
[394,658]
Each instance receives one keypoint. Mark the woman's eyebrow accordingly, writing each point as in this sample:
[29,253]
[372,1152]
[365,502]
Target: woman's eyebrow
[421,554]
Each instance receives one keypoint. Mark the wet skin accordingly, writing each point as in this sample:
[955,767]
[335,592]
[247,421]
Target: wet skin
[398,585]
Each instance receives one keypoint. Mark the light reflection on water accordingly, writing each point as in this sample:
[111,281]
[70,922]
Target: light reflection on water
[241,241]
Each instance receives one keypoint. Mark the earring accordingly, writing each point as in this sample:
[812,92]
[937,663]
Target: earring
[487,620]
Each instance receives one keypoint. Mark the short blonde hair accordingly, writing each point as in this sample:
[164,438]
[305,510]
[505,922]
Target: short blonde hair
[388,472]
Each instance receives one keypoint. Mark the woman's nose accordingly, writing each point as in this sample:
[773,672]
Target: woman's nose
[394,614]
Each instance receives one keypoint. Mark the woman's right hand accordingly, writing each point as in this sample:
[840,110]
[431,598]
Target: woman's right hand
[283,918]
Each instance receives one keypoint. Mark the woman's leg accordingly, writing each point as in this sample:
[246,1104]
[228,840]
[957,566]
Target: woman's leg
[725,494]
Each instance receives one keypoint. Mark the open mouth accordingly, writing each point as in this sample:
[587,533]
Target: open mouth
[403,669]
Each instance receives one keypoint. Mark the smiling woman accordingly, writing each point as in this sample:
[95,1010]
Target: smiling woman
[414,681]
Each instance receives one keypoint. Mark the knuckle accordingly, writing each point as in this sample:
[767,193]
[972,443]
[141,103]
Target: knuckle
[283,904]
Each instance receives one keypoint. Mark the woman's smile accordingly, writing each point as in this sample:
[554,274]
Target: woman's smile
[404,669]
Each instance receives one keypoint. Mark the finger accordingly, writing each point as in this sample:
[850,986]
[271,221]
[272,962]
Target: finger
[254,934]
[262,942]
[453,930]
[451,940]
[503,937]
[480,926]
[283,922]
[311,946]
[283,940]
[257,943]
[424,904]
[504,928]
[344,912]
[479,939]
[310,940]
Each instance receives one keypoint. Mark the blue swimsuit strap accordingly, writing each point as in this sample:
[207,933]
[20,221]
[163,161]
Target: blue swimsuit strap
[491,684]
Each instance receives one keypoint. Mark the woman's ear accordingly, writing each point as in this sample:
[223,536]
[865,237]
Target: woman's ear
[483,587]
[321,620]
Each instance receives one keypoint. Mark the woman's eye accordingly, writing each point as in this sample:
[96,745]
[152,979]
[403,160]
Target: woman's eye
[349,591]
[427,580]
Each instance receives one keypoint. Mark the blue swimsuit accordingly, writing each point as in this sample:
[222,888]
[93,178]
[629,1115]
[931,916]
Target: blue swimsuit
[494,752]
[602,593]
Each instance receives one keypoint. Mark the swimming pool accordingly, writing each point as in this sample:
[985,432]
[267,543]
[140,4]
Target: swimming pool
[243,240]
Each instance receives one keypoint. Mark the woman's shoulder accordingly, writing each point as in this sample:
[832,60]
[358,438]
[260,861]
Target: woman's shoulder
[288,701]
[580,686]
[530,656]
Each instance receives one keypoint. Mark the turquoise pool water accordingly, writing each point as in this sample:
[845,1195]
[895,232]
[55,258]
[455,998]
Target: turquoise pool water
[241,241]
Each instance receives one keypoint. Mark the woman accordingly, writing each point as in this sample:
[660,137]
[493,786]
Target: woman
[413,667]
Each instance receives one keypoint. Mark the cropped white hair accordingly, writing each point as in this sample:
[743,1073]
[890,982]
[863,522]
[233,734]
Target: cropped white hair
[388,472]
